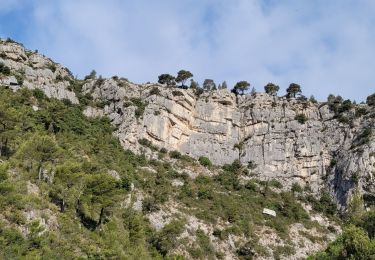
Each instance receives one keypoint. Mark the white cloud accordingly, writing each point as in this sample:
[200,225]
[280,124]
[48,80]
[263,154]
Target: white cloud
[326,46]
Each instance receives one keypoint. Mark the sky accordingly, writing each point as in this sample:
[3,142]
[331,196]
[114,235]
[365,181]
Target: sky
[326,46]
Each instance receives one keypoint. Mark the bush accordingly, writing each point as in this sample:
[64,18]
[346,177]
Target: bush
[301,118]
[163,150]
[147,143]
[371,100]
[149,205]
[205,161]
[154,91]
[275,183]
[4,70]
[166,240]
[296,187]
[141,106]
[175,154]
[39,94]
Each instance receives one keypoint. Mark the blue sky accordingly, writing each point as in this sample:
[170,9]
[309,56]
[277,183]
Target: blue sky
[325,46]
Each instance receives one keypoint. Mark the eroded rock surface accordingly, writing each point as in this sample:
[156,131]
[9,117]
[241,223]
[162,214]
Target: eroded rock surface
[260,130]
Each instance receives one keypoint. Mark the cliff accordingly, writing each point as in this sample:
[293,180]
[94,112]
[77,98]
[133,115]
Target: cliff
[260,130]
[68,181]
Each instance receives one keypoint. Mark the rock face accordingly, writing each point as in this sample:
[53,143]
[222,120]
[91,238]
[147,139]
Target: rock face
[34,71]
[259,130]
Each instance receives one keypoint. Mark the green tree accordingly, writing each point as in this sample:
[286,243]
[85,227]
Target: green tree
[224,85]
[4,70]
[194,84]
[98,197]
[312,99]
[293,90]
[271,89]
[371,100]
[39,150]
[92,75]
[354,243]
[209,84]
[182,76]
[241,86]
[8,119]
[167,79]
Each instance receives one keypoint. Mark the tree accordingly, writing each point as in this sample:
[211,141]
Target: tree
[313,100]
[194,84]
[5,70]
[7,122]
[371,100]
[293,89]
[271,89]
[224,85]
[182,76]
[209,84]
[253,91]
[241,86]
[167,79]
[92,75]
[100,194]
[39,150]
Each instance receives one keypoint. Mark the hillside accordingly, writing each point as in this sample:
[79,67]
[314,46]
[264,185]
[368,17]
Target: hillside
[105,168]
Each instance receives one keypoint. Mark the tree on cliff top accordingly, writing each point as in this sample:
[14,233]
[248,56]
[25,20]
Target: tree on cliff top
[293,90]
[182,76]
[241,86]
[271,89]
[167,79]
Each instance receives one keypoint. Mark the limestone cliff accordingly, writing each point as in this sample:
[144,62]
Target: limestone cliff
[260,130]
[35,71]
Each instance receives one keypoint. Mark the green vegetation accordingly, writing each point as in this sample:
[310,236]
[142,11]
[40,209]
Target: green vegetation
[301,118]
[241,87]
[209,84]
[67,156]
[205,161]
[141,106]
[371,100]
[293,90]
[167,79]
[182,76]
[4,70]
[271,89]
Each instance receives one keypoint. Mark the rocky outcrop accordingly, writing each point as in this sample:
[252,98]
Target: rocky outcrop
[34,71]
[259,130]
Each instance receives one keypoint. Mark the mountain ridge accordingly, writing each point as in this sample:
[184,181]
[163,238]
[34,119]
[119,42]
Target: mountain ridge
[197,149]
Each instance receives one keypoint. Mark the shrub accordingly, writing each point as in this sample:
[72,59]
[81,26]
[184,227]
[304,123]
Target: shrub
[296,187]
[149,205]
[361,111]
[147,143]
[165,240]
[154,91]
[175,154]
[4,70]
[301,118]
[141,106]
[275,183]
[39,94]
[163,150]
[177,93]
[371,100]
[205,161]
[52,67]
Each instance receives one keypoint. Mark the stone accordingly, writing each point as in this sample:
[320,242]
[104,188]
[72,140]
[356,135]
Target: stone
[269,212]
